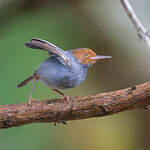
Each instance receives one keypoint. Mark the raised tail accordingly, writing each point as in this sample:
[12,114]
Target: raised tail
[29,79]
[24,82]
[38,44]
[47,46]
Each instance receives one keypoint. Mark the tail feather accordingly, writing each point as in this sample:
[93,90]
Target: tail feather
[36,44]
[26,81]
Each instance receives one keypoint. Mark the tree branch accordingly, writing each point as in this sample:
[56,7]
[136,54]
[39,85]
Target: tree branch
[141,31]
[83,107]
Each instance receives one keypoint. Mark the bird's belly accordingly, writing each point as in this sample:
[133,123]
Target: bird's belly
[60,77]
[60,81]
[63,82]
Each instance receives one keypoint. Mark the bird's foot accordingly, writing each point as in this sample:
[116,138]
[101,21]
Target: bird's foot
[31,100]
[65,98]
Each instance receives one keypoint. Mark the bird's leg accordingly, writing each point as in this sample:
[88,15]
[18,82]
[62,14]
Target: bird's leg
[65,97]
[30,97]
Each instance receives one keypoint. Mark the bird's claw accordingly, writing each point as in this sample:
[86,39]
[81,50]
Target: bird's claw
[65,98]
[31,100]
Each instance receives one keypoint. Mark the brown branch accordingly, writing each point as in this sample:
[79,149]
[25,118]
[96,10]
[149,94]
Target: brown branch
[141,30]
[83,107]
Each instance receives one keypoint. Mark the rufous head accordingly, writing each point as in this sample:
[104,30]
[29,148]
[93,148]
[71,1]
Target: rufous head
[87,56]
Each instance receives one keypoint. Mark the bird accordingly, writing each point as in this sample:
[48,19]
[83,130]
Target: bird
[63,69]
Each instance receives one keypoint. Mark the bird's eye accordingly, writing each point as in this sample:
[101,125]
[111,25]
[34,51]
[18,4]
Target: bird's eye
[86,54]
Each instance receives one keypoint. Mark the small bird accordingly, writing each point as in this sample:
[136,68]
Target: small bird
[62,69]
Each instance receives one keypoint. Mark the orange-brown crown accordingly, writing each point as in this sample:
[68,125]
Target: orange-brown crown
[84,55]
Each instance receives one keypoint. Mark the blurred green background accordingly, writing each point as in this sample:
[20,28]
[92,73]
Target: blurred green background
[101,25]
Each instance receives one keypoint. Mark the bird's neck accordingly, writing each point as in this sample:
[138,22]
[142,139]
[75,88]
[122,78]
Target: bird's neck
[86,66]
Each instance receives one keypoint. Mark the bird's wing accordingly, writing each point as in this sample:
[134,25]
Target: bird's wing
[47,46]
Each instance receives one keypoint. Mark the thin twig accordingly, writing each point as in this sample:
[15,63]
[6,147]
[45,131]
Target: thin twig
[83,107]
[141,30]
